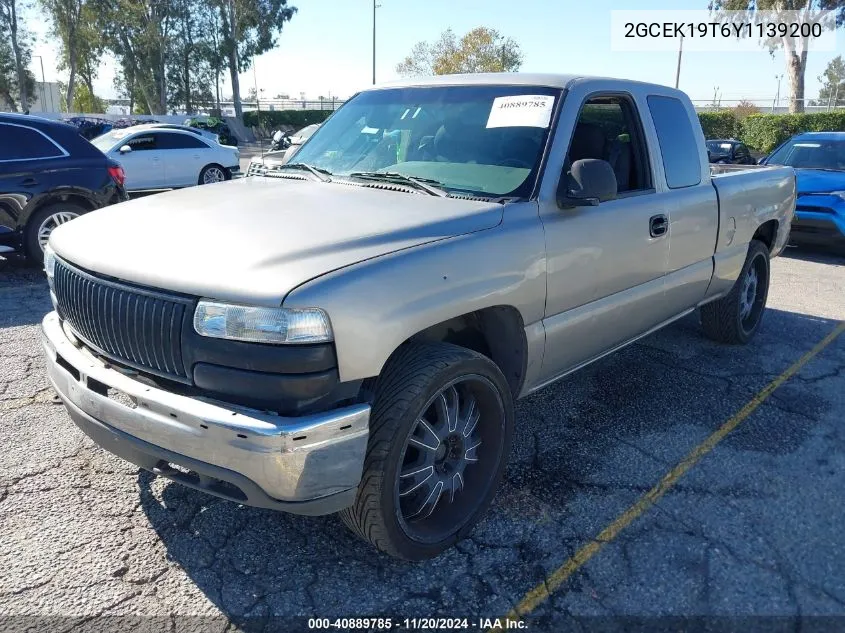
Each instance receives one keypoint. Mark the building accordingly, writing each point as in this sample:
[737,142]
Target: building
[48,97]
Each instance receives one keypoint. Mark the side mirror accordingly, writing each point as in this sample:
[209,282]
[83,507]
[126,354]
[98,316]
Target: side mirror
[125,149]
[589,182]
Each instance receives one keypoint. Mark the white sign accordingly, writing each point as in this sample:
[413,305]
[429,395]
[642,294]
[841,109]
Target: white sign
[699,30]
[521,111]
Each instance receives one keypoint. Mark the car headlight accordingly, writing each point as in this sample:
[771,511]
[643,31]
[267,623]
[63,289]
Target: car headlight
[49,264]
[262,325]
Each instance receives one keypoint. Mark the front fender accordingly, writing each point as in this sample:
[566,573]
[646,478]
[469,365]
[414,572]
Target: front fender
[378,304]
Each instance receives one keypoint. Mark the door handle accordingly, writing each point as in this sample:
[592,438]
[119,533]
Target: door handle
[658,225]
[29,182]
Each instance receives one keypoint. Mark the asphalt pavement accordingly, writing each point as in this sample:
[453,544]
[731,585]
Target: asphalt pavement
[751,528]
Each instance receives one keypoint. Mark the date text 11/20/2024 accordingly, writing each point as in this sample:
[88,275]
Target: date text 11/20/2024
[416,624]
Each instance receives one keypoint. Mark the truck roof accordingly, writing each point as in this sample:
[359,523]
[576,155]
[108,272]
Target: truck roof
[508,79]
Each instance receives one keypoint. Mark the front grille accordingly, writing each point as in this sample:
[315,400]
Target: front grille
[255,169]
[138,327]
[802,207]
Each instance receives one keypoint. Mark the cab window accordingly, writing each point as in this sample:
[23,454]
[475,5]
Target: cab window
[609,129]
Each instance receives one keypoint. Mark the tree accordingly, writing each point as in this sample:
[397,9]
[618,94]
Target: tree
[193,54]
[87,102]
[12,30]
[479,51]
[745,108]
[139,33]
[249,28]
[830,14]
[80,42]
[833,82]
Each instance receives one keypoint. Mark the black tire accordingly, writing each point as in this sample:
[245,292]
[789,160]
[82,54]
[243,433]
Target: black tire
[723,320]
[32,244]
[208,168]
[408,385]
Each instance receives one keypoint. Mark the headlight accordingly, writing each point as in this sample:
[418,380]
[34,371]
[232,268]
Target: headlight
[49,264]
[262,325]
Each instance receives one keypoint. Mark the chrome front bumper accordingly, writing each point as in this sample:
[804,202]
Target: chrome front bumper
[306,465]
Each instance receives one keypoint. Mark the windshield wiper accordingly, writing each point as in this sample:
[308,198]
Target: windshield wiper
[428,185]
[322,174]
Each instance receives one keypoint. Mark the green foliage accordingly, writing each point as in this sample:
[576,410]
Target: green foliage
[721,124]
[764,132]
[85,101]
[291,119]
[482,50]
[833,82]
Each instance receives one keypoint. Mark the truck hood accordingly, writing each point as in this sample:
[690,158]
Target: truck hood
[819,181]
[253,240]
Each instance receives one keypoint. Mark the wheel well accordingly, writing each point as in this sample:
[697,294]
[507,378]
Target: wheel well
[766,233]
[82,201]
[497,332]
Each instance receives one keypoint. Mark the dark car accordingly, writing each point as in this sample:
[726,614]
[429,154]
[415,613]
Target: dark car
[819,162]
[729,152]
[49,174]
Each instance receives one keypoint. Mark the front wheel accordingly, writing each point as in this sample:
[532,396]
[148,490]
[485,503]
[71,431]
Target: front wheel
[440,435]
[736,317]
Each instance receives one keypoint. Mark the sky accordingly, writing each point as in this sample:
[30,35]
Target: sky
[326,49]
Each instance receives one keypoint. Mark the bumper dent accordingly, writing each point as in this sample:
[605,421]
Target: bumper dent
[306,465]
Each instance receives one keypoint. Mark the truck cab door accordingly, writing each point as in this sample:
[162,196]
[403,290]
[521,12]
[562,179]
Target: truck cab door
[684,177]
[606,263]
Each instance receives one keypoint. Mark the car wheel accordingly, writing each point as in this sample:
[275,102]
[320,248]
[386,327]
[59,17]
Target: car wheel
[736,317]
[440,434]
[42,223]
[211,174]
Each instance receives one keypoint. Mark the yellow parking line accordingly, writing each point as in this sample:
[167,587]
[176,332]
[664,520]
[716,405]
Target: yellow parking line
[541,592]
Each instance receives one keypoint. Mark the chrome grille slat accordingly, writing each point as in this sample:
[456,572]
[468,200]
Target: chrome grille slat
[131,325]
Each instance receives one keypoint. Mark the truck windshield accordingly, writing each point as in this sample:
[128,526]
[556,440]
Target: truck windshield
[479,140]
[810,154]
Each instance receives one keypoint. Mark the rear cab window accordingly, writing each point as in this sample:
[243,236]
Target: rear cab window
[678,143]
[21,143]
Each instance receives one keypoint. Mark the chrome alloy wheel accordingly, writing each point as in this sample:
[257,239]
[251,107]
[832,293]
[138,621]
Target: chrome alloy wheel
[748,293]
[212,175]
[450,454]
[753,292]
[50,223]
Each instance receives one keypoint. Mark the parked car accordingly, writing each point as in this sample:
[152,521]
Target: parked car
[49,175]
[186,128]
[275,158]
[729,151]
[819,162]
[438,249]
[165,158]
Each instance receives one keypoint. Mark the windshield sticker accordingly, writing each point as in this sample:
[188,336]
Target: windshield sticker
[521,111]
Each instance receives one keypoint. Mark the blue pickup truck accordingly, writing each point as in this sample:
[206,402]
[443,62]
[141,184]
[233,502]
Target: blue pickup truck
[819,162]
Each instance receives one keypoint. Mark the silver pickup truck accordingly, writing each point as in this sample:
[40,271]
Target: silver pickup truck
[348,332]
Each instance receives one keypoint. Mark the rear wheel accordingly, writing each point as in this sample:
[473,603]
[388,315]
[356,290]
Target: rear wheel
[736,317]
[43,222]
[211,174]
[440,435]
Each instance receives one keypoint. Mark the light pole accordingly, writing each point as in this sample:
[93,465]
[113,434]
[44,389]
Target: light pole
[777,97]
[375,6]
[678,69]
[44,87]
